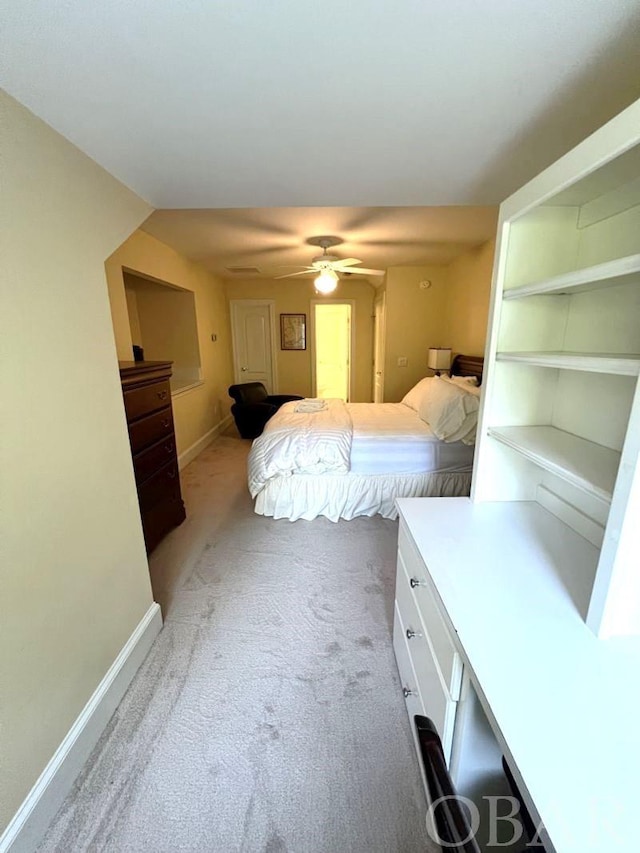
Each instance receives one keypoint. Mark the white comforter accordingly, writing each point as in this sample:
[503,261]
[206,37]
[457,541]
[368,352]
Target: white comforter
[301,443]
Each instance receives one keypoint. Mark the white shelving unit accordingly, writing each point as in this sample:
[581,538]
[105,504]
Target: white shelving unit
[591,362]
[560,420]
[581,463]
[608,274]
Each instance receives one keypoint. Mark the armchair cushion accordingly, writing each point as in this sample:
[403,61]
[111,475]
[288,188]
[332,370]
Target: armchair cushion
[254,407]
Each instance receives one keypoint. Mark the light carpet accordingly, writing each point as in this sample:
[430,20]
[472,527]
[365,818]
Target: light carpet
[268,716]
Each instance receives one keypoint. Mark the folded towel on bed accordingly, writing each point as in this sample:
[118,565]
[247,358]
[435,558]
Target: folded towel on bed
[311,405]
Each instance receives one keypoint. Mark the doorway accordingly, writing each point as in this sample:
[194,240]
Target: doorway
[252,329]
[332,348]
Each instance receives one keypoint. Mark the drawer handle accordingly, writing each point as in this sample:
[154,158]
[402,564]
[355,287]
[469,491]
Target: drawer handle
[411,634]
[168,448]
[414,582]
[406,692]
[171,475]
[166,422]
[162,395]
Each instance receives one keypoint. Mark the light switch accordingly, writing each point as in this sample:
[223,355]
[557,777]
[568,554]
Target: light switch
[402,361]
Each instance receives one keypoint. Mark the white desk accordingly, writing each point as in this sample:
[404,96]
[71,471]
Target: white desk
[563,705]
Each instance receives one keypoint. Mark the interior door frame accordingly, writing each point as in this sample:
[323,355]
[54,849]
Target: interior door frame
[234,304]
[312,340]
[379,302]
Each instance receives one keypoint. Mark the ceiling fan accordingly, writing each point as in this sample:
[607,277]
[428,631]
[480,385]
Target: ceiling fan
[330,267]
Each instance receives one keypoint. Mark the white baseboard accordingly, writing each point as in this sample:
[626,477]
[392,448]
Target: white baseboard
[29,824]
[197,447]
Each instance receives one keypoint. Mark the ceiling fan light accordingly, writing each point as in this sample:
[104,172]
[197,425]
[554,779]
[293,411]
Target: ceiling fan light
[326,282]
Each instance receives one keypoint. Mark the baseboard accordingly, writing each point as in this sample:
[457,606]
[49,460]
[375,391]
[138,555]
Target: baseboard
[197,447]
[29,824]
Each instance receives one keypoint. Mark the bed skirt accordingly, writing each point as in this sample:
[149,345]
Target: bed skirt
[347,496]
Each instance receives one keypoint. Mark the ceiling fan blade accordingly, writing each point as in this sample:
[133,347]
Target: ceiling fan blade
[291,274]
[363,271]
[347,262]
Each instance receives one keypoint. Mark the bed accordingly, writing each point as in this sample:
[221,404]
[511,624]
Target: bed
[354,459]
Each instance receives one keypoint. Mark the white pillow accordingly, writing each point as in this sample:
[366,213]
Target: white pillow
[414,398]
[451,412]
[461,382]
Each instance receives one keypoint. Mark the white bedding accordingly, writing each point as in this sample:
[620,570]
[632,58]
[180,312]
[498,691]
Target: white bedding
[351,459]
[301,443]
[390,438]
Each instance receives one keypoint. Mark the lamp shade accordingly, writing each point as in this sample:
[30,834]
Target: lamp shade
[439,358]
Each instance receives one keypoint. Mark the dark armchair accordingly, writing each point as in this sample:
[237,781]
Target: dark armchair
[253,407]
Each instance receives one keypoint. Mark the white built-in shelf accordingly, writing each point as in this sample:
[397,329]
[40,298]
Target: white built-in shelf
[591,467]
[619,271]
[593,362]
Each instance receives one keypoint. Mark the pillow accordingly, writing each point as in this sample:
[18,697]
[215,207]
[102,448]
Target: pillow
[451,412]
[461,382]
[414,398]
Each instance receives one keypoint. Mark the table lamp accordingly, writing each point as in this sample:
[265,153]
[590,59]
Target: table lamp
[439,358]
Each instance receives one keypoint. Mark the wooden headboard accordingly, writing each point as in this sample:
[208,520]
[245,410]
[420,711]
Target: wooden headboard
[468,365]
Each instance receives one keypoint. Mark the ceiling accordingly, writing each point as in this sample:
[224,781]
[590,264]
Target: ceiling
[270,239]
[245,104]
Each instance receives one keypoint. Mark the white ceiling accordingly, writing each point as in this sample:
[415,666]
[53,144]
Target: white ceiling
[247,103]
[272,238]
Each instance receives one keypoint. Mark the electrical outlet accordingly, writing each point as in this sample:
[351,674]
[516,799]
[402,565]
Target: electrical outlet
[402,361]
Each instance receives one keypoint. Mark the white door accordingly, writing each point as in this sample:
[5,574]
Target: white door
[378,349]
[252,331]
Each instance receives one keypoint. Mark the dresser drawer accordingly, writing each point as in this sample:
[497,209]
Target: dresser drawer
[425,680]
[408,678]
[151,429]
[161,487]
[419,601]
[142,401]
[148,461]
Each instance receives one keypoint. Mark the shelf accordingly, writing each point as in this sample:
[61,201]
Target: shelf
[588,466]
[592,362]
[609,274]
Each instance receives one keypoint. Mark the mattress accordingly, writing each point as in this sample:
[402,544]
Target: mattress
[390,438]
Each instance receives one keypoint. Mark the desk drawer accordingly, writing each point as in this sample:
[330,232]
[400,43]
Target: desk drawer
[422,599]
[408,678]
[148,430]
[148,461]
[430,693]
[142,401]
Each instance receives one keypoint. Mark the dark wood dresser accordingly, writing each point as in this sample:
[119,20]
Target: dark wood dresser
[147,403]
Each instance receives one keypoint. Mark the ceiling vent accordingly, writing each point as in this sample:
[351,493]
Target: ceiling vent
[244,270]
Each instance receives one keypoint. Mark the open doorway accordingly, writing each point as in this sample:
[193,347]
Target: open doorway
[332,348]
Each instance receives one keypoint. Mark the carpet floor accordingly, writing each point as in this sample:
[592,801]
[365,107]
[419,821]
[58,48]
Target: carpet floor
[268,716]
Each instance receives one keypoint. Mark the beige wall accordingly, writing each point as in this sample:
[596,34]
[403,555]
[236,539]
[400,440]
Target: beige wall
[453,312]
[198,410]
[294,296]
[468,300]
[74,579]
[415,321]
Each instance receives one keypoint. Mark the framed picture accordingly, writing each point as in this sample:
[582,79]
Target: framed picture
[293,331]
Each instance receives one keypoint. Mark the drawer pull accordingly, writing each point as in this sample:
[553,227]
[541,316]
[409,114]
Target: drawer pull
[406,692]
[411,634]
[162,395]
[171,475]
[414,582]
[166,422]
[168,448]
